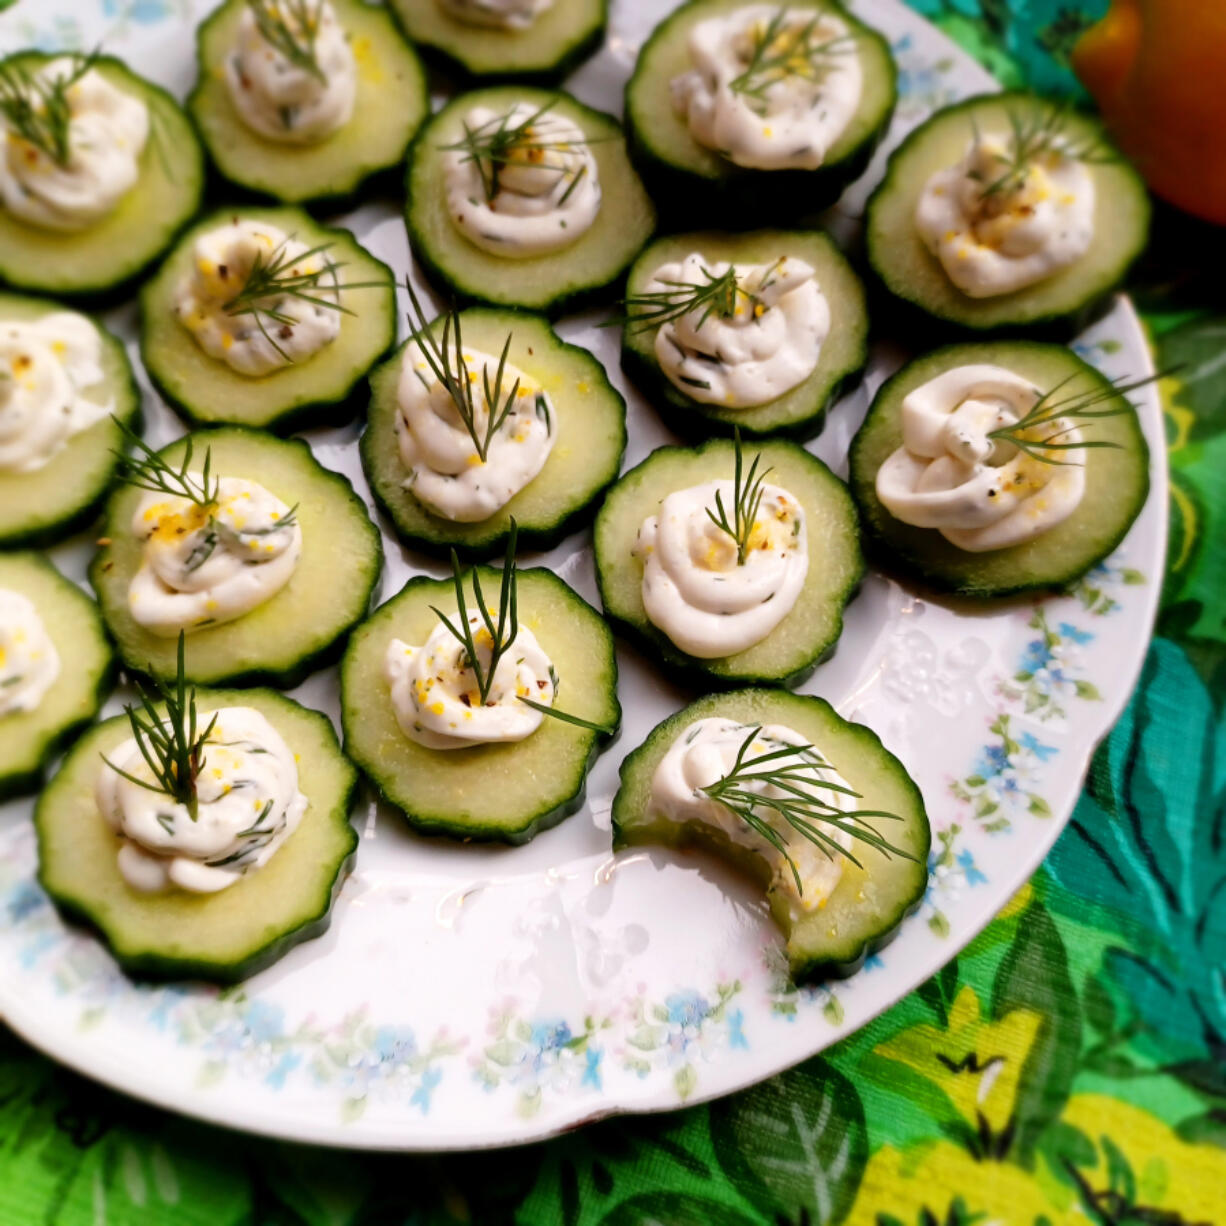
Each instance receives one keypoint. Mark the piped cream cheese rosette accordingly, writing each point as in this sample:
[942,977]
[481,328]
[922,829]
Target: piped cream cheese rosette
[29,662]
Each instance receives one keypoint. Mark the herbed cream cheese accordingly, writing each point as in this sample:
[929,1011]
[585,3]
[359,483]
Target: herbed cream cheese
[46,366]
[695,588]
[248,804]
[770,88]
[497,14]
[980,493]
[29,662]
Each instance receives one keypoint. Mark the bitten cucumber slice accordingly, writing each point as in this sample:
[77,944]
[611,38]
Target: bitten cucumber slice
[391,102]
[554,282]
[30,739]
[317,391]
[299,629]
[104,258]
[1117,481]
[868,905]
[1069,297]
[556,43]
[590,436]
[223,937]
[43,506]
[688,180]
[507,792]
[808,633]
[799,413]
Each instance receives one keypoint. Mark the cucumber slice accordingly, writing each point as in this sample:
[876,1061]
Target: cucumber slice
[506,792]
[799,413]
[391,103]
[870,902]
[30,739]
[1117,482]
[305,624]
[585,460]
[687,179]
[319,391]
[1066,300]
[40,507]
[223,937]
[561,280]
[556,43]
[808,634]
[104,259]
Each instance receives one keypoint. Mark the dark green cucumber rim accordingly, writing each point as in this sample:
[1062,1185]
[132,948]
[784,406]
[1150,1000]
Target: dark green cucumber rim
[571,517]
[699,673]
[107,293]
[567,301]
[451,59]
[912,565]
[327,410]
[270,678]
[1055,325]
[161,967]
[364,175]
[436,824]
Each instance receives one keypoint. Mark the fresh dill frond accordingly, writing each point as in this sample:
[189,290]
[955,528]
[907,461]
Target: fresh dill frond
[747,491]
[714,295]
[37,109]
[291,27]
[149,470]
[780,50]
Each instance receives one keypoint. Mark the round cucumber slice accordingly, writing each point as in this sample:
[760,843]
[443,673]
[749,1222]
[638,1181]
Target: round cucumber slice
[318,391]
[223,937]
[555,44]
[590,437]
[391,103]
[507,792]
[40,507]
[103,259]
[1069,297]
[799,413]
[1117,482]
[30,739]
[870,902]
[304,625]
[687,179]
[561,280]
[807,635]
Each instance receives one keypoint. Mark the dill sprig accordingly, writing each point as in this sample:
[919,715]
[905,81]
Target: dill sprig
[277,276]
[456,378]
[778,52]
[1035,134]
[503,631]
[150,470]
[747,491]
[1065,415]
[790,770]
[171,743]
[291,27]
[714,295]
[38,110]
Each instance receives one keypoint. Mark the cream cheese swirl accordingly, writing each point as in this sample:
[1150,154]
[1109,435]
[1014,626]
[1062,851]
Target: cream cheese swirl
[29,662]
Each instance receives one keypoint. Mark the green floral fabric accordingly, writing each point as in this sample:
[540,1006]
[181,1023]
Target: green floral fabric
[1068,1067]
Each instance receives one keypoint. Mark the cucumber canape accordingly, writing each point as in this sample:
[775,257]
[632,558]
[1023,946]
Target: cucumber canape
[776,763]
[1006,211]
[97,184]
[180,540]
[475,163]
[537,41]
[58,460]
[559,432]
[730,567]
[742,114]
[452,713]
[999,467]
[56,667]
[356,91]
[263,317]
[125,849]
[700,335]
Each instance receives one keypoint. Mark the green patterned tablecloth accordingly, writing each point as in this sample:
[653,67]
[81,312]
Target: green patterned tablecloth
[1069,1067]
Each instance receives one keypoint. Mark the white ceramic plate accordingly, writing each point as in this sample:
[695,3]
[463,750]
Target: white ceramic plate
[478,996]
